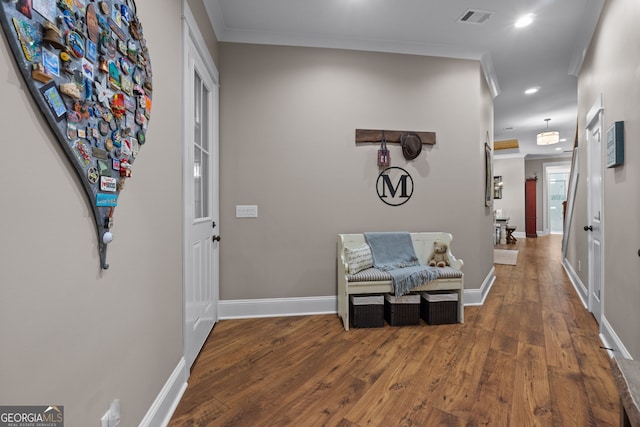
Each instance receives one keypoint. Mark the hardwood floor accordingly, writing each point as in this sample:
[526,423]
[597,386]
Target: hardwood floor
[529,356]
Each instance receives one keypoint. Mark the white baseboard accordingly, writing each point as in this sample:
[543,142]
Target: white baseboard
[477,296]
[275,307]
[608,336]
[160,412]
[523,234]
[611,340]
[580,288]
[305,306]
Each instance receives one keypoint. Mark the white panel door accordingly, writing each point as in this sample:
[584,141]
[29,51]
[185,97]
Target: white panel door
[201,231]
[594,226]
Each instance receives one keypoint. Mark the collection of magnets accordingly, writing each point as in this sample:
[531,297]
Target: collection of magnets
[87,66]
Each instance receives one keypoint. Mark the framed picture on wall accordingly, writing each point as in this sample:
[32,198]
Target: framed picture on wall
[488,173]
[615,144]
[497,187]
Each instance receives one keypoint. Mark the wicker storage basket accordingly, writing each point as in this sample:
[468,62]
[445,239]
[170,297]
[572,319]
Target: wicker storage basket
[366,311]
[401,311]
[439,307]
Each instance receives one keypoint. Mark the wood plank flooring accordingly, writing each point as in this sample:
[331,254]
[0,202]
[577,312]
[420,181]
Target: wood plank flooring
[530,356]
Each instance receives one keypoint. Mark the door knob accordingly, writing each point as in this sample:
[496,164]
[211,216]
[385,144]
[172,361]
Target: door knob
[588,228]
[215,238]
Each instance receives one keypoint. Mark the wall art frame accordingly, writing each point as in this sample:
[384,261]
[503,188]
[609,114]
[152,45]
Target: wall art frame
[488,174]
[497,187]
[615,144]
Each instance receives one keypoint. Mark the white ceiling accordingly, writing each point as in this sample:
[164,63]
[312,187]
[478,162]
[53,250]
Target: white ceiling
[547,54]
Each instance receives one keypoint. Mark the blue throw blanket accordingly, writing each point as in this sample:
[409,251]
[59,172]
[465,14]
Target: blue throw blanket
[394,253]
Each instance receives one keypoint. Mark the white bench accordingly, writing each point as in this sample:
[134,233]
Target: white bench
[374,281]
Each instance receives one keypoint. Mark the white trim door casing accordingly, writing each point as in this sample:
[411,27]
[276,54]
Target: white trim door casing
[595,211]
[201,230]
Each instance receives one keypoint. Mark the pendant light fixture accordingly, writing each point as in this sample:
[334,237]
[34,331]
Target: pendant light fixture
[548,137]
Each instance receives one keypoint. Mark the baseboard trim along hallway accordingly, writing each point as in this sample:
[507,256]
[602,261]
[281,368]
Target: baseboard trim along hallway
[275,307]
[160,412]
[305,306]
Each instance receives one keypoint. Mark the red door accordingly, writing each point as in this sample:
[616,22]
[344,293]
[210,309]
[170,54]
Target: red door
[530,207]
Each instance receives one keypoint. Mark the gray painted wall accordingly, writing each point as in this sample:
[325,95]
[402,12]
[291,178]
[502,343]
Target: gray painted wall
[80,337]
[611,69]
[71,334]
[535,168]
[206,31]
[511,168]
[515,170]
[288,119]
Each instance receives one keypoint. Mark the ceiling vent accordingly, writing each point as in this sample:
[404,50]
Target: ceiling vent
[474,16]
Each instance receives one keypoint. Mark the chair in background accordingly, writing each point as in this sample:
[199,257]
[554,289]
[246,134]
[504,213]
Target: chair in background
[510,229]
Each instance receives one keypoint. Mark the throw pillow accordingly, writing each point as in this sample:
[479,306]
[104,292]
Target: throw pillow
[358,258]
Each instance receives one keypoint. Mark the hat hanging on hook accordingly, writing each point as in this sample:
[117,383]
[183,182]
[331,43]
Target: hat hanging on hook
[411,144]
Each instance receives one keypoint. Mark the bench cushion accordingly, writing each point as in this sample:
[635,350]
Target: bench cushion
[375,275]
[448,273]
[369,275]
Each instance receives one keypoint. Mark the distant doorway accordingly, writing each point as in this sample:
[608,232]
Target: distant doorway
[556,183]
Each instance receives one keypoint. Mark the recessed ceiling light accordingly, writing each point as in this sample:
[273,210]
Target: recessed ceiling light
[524,20]
[531,90]
[563,139]
[559,148]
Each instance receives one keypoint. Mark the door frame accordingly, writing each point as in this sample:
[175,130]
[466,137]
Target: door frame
[193,38]
[595,120]
[548,168]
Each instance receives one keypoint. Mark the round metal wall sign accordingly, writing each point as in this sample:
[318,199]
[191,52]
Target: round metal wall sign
[394,186]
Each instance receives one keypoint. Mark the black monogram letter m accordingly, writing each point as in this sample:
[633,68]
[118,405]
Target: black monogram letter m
[402,184]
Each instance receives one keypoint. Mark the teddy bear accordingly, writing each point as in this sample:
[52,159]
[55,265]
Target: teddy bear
[439,257]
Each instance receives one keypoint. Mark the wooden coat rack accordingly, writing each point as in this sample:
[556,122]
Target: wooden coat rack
[392,136]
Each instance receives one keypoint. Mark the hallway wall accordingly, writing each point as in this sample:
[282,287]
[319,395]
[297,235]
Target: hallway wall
[535,168]
[611,70]
[288,120]
[71,334]
[199,13]
[511,168]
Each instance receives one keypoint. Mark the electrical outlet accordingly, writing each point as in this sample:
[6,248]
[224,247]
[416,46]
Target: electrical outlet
[246,211]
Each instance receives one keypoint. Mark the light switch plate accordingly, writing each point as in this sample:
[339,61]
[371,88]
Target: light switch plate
[246,211]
